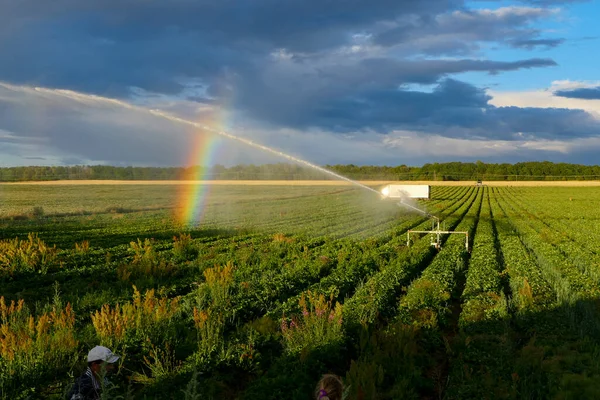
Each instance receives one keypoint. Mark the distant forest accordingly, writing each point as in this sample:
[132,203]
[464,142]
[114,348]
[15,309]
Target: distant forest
[453,171]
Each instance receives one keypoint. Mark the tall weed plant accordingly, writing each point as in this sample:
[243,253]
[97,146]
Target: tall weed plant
[31,255]
[32,346]
[319,324]
[140,319]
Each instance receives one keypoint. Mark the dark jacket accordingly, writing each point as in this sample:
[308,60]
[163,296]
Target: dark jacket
[86,387]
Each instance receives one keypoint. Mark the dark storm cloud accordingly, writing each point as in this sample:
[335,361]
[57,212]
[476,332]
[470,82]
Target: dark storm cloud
[460,32]
[530,44]
[454,109]
[309,103]
[106,47]
[581,93]
[338,65]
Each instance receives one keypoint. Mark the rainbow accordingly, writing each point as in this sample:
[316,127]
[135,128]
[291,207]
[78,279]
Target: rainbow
[204,150]
[192,198]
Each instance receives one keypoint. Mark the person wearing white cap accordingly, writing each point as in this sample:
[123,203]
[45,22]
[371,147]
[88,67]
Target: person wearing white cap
[87,386]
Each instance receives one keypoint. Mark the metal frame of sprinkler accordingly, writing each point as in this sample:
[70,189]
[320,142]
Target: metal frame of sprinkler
[436,231]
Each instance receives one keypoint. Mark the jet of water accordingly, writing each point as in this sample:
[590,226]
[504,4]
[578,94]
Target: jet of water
[405,204]
[91,99]
[88,98]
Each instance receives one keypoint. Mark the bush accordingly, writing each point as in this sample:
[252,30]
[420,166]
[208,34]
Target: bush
[183,248]
[320,324]
[147,262]
[31,255]
[140,319]
[37,212]
[33,346]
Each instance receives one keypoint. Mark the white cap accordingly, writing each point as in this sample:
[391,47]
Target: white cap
[102,353]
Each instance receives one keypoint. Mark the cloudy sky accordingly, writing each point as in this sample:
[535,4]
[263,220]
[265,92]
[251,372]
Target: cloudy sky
[333,81]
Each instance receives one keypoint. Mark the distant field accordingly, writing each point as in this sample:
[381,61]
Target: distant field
[237,295]
[309,183]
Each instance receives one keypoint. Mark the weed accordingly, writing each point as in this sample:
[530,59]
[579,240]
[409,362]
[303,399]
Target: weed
[321,323]
[146,262]
[210,326]
[141,318]
[83,247]
[183,248]
[31,255]
[35,345]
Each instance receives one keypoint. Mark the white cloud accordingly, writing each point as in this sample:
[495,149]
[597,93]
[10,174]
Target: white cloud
[410,143]
[545,98]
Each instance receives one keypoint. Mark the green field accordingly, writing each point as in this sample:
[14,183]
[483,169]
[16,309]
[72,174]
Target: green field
[280,284]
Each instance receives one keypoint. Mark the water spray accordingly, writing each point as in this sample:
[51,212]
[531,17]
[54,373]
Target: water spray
[404,192]
[89,98]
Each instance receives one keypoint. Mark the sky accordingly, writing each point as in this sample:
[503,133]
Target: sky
[378,82]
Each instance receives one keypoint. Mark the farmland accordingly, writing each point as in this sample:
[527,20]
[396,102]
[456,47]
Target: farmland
[280,284]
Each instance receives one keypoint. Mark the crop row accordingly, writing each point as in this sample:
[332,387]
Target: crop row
[427,300]
[483,296]
[569,283]
[578,252]
[375,296]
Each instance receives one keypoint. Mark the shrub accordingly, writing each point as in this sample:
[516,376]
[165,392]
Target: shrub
[161,363]
[140,319]
[320,324]
[30,345]
[281,238]
[424,304]
[31,255]
[83,247]
[210,325]
[37,212]
[183,247]
[146,262]
[215,291]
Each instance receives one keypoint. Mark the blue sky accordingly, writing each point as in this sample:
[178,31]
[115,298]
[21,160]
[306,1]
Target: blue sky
[343,81]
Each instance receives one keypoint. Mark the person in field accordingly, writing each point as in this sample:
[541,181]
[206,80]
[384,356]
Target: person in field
[89,385]
[330,387]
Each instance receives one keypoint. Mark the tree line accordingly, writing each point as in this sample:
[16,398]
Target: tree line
[453,171]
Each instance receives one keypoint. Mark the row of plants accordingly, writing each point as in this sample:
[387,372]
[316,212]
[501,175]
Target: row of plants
[550,356]
[569,283]
[483,296]
[575,247]
[427,300]
[374,299]
[337,354]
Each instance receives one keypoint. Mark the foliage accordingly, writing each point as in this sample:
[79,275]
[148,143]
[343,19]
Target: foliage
[31,255]
[83,247]
[34,345]
[285,171]
[209,324]
[320,324]
[146,262]
[183,247]
[515,318]
[141,318]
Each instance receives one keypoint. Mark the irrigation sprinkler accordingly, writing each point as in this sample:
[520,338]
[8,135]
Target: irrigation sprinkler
[404,192]
[436,234]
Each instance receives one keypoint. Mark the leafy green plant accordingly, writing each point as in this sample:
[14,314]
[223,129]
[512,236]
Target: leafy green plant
[139,319]
[183,248]
[31,255]
[33,346]
[146,262]
[320,323]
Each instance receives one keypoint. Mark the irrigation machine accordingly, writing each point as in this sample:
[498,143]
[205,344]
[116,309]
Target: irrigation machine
[404,192]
